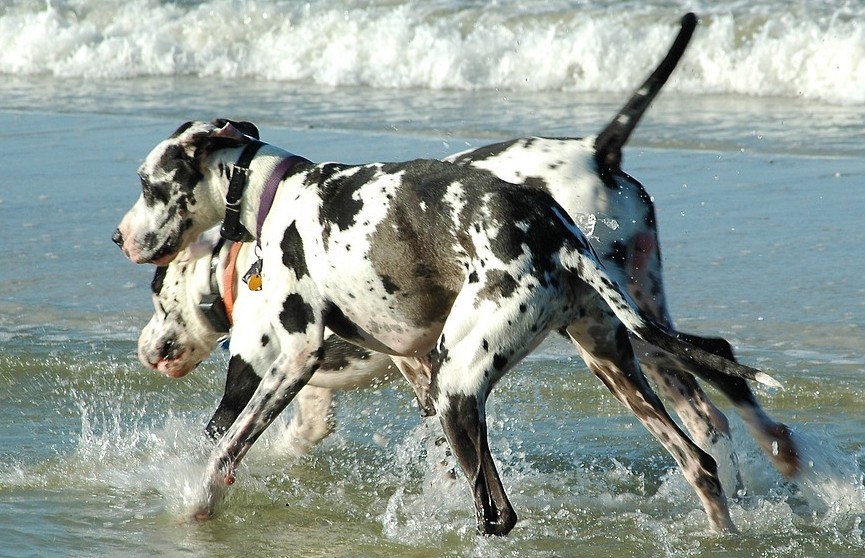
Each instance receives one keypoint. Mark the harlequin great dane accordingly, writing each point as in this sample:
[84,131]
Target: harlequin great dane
[616,214]
[446,266]
[198,296]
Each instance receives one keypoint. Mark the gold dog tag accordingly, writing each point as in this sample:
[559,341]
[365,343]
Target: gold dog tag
[253,276]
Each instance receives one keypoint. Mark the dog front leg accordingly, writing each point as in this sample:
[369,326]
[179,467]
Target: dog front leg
[278,387]
[240,384]
[313,419]
[613,361]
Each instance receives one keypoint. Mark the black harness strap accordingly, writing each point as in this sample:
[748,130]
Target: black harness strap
[231,227]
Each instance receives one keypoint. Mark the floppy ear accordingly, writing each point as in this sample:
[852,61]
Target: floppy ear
[225,134]
[232,127]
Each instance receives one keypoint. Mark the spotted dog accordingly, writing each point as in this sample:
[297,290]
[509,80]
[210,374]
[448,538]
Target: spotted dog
[617,215]
[446,266]
[198,296]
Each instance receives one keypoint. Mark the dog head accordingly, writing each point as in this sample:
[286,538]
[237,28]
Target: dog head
[177,201]
[178,336]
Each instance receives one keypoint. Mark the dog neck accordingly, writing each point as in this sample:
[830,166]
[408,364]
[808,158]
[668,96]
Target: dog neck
[231,228]
[253,181]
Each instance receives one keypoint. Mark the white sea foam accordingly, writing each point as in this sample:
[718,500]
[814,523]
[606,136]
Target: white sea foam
[810,49]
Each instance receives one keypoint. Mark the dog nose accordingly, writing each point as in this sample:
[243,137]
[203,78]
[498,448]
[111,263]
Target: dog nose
[168,349]
[117,237]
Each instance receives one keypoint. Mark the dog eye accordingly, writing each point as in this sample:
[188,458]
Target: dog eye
[153,191]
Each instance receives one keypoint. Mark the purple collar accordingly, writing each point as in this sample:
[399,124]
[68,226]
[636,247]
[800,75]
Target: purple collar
[273,181]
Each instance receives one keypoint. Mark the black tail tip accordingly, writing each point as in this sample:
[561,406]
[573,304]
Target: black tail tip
[689,20]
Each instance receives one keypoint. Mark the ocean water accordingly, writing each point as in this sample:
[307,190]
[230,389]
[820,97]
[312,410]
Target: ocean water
[754,154]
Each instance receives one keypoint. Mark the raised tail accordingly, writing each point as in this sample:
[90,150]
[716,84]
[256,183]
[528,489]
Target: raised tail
[609,143]
[702,363]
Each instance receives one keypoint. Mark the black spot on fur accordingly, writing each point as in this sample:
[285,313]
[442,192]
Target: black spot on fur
[340,206]
[296,314]
[340,324]
[437,357]
[293,256]
[183,127]
[158,279]
[500,284]
[183,169]
[499,362]
[535,182]
[422,270]
[389,286]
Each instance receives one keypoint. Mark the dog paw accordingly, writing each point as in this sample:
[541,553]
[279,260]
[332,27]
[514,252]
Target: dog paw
[784,451]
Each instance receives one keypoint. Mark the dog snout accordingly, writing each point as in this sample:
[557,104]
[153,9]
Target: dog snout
[117,237]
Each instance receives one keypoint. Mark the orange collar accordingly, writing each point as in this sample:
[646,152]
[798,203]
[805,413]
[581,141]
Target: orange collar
[229,276]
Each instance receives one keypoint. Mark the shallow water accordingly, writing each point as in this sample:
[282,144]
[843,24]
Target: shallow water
[101,456]
[759,200]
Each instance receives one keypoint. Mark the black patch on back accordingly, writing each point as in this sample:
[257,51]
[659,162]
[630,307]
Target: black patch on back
[339,206]
[296,314]
[293,256]
[485,152]
[545,231]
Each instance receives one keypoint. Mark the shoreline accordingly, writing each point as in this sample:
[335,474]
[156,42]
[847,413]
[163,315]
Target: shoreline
[701,122]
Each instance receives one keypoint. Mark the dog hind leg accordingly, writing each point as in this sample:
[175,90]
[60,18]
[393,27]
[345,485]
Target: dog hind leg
[774,438]
[707,425]
[612,360]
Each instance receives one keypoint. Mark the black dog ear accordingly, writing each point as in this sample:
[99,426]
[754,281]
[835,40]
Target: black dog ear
[246,128]
[183,127]
[225,134]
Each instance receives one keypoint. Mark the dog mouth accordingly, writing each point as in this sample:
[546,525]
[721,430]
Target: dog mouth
[141,252]
[173,368]
[172,364]
[162,260]
[164,255]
